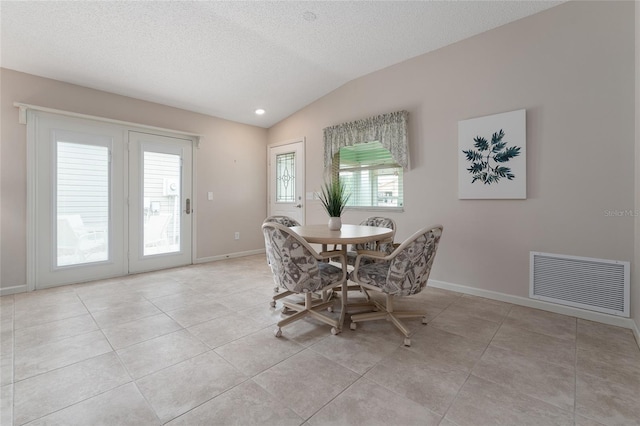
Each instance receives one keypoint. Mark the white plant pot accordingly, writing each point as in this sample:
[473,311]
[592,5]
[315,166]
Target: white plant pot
[335,223]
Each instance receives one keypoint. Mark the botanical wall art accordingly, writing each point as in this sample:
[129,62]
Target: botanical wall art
[492,156]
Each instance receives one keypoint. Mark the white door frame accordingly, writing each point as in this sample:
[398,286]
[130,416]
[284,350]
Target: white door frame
[27,114]
[303,201]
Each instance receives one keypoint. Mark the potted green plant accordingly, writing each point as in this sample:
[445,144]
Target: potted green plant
[333,196]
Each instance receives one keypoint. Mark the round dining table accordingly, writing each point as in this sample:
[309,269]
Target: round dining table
[348,234]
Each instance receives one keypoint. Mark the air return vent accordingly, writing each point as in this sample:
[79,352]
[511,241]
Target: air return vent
[594,284]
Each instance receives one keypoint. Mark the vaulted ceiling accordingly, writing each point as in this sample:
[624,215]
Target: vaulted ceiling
[227,59]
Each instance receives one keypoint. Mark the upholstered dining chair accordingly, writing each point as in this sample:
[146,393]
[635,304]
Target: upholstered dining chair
[286,221]
[298,268]
[404,272]
[383,246]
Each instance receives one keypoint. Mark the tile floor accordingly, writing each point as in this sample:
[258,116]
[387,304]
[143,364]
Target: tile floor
[195,346]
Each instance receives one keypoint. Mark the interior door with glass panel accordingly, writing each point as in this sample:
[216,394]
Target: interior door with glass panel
[160,202]
[78,206]
[286,180]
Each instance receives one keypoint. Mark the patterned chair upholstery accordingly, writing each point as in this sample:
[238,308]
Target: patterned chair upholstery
[298,268]
[384,246]
[286,221]
[404,272]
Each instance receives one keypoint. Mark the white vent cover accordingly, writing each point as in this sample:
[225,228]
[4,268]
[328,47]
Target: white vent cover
[595,284]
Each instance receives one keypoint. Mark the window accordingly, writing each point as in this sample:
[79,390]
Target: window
[371,174]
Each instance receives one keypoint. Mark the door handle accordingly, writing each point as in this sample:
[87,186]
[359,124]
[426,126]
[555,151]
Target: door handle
[188,206]
[299,206]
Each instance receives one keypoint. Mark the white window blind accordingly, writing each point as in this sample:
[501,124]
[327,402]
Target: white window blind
[82,203]
[371,175]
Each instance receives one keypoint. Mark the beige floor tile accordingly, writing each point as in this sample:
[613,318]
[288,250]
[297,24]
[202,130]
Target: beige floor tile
[437,297]
[408,374]
[593,335]
[199,313]
[6,368]
[265,317]
[6,405]
[39,359]
[47,297]
[368,400]
[182,387]
[259,351]
[6,356]
[480,307]
[161,352]
[623,369]
[123,335]
[307,331]
[443,349]
[6,319]
[225,329]
[120,406]
[484,403]
[157,287]
[446,422]
[125,312]
[583,421]
[543,322]
[305,382]
[246,299]
[607,402]
[182,299]
[463,324]
[246,404]
[55,390]
[356,350]
[536,345]
[28,317]
[52,331]
[110,299]
[518,373]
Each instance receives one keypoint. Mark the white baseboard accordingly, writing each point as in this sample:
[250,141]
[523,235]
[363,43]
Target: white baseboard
[5,291]
[229,256]
[539,304]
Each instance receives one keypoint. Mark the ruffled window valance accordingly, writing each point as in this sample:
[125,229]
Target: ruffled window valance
[388,129]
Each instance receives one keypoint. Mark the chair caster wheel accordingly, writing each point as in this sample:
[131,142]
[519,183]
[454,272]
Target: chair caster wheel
[407,341]
[330,309]
[272,303]
[424,320]
[335,331]
[277,332]
[353,326]
[276,289]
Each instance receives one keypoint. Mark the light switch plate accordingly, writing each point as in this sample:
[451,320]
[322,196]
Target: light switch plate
[210,196]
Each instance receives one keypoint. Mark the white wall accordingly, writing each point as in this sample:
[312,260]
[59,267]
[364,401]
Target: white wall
[572,68]
[231,162]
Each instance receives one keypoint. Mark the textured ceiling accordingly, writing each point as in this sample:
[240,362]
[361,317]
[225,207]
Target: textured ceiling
[228,58]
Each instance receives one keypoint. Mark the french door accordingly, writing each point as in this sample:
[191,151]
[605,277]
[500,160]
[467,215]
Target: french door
[159,202]
[105,201]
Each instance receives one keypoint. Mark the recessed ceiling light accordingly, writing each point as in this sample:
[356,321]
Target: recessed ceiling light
[309,16]
[260,111]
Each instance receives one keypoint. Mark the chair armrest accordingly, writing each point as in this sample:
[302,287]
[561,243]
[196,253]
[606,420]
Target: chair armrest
[372,253]
[323,255]
[376,255]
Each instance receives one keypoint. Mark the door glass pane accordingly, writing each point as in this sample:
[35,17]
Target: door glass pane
[285,177]
[82,203]
[161,196]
